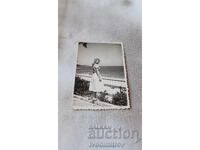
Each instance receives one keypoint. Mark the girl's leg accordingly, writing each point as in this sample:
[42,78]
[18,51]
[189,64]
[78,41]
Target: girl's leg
[93,96]
[97,94]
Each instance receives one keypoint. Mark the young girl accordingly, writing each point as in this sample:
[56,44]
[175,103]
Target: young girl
[96,83]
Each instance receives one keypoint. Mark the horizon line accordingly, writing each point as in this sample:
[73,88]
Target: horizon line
[100,65]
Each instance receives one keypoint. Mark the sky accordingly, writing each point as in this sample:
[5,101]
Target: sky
[109,54]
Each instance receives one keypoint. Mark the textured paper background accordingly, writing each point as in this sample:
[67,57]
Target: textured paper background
[98,21]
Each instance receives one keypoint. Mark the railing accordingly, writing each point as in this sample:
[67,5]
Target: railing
[97,103]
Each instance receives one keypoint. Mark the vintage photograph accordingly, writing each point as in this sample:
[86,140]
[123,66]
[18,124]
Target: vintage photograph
[101,77]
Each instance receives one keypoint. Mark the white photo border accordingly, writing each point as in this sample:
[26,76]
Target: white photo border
[125,74]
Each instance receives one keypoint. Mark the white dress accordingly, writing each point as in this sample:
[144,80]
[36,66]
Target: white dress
[95,84]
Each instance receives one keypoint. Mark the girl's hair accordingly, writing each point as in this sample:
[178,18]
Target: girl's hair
[95,60]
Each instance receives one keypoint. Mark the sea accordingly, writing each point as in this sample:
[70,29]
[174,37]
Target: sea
[106,71]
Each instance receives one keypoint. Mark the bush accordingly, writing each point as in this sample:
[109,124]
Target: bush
[120,99]
[102,96]
[81,86]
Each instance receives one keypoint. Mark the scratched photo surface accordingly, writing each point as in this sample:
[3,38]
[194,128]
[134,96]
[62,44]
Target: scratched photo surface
[100,79]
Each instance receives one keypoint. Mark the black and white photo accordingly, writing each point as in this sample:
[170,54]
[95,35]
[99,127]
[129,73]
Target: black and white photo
[101,77]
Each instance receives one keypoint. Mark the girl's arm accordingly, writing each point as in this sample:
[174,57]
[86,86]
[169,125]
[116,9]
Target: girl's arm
[98,74]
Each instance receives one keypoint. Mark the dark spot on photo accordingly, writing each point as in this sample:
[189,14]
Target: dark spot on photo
[83,43]
[126,2]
